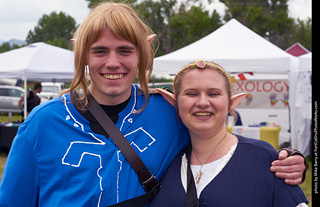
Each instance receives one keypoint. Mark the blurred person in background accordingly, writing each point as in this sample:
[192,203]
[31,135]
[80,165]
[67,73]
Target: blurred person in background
[33,99]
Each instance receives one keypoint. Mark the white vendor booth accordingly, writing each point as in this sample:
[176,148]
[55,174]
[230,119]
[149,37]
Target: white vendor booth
[39,62]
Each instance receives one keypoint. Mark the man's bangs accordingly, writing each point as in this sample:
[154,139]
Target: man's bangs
[122,26]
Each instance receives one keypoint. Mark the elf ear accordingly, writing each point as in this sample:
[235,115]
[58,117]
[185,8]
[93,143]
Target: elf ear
[168,96]
[151,38]
[236,99]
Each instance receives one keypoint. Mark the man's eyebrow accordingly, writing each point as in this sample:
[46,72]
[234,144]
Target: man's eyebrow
[126,47]
[98,48]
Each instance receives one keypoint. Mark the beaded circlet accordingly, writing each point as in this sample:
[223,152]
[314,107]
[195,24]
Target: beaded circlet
[201,65]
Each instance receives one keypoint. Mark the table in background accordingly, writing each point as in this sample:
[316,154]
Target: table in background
[7,133]
[268,134]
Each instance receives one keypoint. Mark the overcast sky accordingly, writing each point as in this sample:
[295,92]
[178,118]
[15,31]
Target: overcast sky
[17,17]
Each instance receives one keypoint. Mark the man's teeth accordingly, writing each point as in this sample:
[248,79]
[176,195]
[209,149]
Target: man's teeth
[113,77]
[203,114]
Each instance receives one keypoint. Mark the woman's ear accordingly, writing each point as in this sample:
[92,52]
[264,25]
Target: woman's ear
[236,99]
[168,96]
[151,38]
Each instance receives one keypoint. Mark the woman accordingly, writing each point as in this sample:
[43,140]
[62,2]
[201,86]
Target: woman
[224,169]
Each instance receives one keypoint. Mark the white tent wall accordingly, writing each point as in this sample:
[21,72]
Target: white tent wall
[301,105]
[294,113]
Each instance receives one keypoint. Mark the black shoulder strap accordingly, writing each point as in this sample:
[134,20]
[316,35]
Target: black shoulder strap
[191,198]
[149,181]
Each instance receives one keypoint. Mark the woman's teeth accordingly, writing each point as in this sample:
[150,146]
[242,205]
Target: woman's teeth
[113,77]
[203,114]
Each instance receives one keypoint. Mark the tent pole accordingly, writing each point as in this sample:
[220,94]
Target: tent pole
[25,98]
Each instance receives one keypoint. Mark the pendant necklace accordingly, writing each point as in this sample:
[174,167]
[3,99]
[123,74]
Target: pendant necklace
[200,173]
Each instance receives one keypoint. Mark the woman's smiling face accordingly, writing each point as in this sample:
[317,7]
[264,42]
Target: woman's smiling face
[203,102]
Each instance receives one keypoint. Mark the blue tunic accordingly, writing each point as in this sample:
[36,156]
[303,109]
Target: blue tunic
[56,159]
[244,181]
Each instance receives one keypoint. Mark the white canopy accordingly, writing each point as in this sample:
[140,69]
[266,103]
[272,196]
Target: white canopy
[234,46]
[37,61]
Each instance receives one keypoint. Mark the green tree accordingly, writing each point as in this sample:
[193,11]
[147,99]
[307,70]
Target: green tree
[268,18]
[55,29]
[190,25]
[157,14]
[176,26]
[7,47]
[93,3]
[303,33]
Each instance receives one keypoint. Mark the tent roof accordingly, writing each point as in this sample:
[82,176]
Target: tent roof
[234,46]
[297,50]
[38,61]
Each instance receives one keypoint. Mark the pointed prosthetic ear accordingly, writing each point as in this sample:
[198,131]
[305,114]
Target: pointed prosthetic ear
[236,99]
[151,38]
[168,96]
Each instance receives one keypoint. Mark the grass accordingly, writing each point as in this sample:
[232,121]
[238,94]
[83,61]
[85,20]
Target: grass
[15,117]
[3,159]
[306,186]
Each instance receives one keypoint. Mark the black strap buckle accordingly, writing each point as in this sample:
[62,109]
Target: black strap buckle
[151,184]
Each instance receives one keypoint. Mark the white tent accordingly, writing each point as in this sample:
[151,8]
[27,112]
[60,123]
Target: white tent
[37,61]
[301,108]
[238,50]
[305,62]
[234,46]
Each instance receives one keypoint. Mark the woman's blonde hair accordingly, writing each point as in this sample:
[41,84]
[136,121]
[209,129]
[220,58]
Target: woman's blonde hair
[200,64]
[122,21]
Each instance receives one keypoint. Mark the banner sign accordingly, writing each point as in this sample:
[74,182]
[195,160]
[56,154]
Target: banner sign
[263,93]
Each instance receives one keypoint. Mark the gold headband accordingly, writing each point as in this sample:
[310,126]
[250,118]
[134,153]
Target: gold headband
[201,65]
